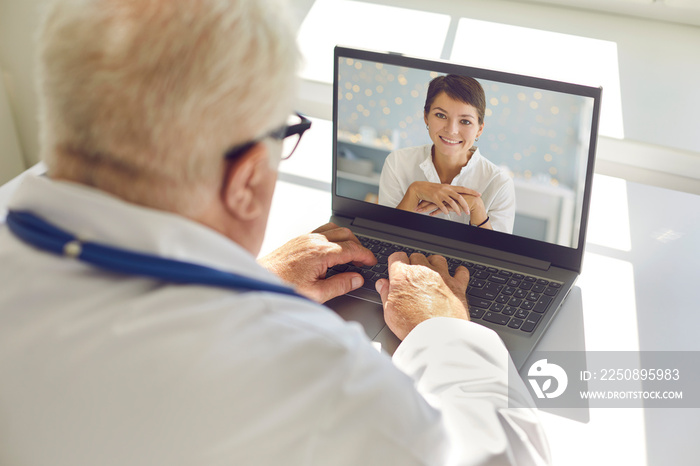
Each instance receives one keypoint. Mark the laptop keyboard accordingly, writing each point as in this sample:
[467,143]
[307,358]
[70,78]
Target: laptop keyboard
[499,296]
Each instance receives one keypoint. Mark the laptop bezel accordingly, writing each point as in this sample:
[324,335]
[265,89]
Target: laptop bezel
[557,255]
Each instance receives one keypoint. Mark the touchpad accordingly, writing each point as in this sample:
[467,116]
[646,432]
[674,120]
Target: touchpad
[370,315]
[367,313]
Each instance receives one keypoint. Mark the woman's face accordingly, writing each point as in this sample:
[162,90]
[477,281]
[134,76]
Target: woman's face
[453,126]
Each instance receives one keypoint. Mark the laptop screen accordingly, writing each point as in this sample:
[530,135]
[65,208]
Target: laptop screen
[529,143]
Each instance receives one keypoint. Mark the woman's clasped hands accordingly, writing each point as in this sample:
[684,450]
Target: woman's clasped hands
[435,198]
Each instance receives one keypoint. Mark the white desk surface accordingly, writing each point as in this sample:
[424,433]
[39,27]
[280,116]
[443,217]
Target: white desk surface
[636,292]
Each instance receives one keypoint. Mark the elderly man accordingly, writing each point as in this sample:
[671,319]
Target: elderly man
[136,326]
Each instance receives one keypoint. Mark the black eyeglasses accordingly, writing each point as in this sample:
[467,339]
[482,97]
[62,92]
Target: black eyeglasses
[289,133]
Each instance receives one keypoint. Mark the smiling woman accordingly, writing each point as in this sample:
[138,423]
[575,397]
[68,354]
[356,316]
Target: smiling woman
[450,178]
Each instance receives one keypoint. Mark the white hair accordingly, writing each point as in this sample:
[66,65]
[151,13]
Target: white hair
[141,98]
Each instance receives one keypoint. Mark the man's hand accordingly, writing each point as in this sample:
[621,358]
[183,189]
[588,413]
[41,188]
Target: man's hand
[420,288]
[303,262]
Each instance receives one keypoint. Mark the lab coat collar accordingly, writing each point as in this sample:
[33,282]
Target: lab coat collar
[94,215]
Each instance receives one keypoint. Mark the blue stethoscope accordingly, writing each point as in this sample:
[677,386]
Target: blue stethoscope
[43,235]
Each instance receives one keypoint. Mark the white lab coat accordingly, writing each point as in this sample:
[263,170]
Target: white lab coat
[404,166]
[102,369]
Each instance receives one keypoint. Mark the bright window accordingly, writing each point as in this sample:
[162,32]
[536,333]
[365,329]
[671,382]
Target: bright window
[545,54]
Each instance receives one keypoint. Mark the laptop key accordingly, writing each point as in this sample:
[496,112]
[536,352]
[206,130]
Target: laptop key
[515,323]
[478,302]
[476,283]
[476,313]
[370,279]
[502,299]
[525,285]
[542,304]
[493,287]
[496,318]
[527,305]
[482,293]
[374,247]
[497,307]
[498,279]
[530,323]
[539,288]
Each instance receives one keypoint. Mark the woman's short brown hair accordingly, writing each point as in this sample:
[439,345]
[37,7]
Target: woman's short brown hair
[462,88]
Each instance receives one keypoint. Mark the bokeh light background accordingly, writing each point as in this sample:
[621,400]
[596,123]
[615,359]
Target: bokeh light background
[535,134]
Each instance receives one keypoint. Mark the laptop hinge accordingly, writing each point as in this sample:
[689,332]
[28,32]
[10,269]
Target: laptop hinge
[441,243]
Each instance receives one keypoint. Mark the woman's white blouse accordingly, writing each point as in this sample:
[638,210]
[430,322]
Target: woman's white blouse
[404,166]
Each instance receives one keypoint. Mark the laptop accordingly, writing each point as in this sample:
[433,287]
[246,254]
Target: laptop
[540,134]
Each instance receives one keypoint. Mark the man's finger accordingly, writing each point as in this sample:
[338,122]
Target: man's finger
[419,259]
[438,261]
[350,251]
[326,227]
[397,257]
[382,287]
[462,275]
[335,286]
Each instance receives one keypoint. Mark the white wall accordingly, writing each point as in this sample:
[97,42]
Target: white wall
[659,69]
[11,161]
[18,23]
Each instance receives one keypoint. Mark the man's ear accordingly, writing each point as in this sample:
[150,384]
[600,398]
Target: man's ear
[244,180]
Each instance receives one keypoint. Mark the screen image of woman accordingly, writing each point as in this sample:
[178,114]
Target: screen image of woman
[450,178]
